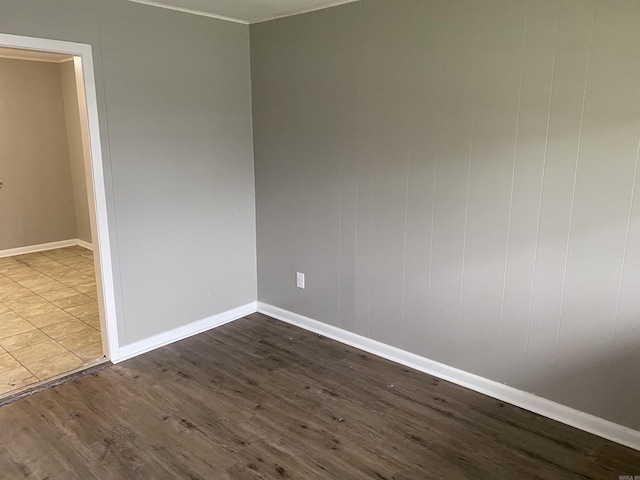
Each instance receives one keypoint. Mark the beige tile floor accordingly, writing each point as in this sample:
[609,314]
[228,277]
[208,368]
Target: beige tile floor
[49,321]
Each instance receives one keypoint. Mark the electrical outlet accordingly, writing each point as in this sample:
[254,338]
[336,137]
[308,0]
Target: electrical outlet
[300,280]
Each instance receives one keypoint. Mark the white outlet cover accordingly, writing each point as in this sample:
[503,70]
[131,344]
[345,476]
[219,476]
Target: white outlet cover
[299,280]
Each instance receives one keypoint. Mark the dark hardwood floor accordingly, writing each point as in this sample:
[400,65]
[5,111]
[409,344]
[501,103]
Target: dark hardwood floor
[258,398]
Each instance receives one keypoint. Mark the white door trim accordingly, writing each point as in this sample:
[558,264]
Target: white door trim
[104,270]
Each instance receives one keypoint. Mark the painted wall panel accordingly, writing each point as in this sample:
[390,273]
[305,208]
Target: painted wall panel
[460,26]
[610,129]
[364,140]
[500,64]
[423,149]
[487,211]
[287,211]
[391,115]
[530,159]
[572,58]
[622,387]
[36,200]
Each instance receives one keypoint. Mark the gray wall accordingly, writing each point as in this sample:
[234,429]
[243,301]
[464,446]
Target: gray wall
[456,179]
[36,201]
[76,150]
[175,117]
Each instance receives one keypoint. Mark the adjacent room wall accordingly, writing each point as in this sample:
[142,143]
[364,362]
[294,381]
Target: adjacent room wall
[76,150]
[174,103]
[36,201]
[456,178]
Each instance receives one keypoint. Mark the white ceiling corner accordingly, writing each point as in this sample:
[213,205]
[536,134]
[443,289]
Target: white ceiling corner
[245,11]
[35,55]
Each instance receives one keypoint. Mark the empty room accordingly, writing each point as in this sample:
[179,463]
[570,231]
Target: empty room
[386,239]
[48,294]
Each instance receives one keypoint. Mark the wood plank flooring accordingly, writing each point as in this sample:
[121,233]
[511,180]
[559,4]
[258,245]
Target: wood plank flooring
[259,399]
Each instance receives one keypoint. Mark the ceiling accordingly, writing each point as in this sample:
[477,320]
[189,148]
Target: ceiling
[22,54]
[245,11]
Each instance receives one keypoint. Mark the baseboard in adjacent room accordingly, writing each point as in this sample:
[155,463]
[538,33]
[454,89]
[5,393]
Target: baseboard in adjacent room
[43,247]
[84,244]
[165,338]
[528,401]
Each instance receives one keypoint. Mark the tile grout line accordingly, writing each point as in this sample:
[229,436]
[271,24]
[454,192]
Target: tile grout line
[21,263]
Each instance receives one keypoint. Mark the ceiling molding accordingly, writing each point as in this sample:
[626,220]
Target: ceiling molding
[304,10]
[239,20]
[189,10]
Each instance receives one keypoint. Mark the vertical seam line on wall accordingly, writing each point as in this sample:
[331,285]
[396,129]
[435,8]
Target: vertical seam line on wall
[435,177]
[406,199]
[315,240]
[622,270]
[357,153]
[314,194]
[114,223]
[466,213]
[513,176]
[340,179]
[371,180]
[298,116]
[544,167]
[573,192]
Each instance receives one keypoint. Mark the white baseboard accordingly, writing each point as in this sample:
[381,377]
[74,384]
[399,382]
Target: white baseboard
[83,244]
[165,338]
[528,401]
[43,247]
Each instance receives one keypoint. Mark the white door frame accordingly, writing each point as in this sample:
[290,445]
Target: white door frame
[101,243]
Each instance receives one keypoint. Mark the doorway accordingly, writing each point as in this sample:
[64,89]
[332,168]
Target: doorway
[65,300]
